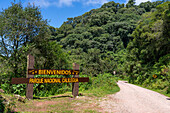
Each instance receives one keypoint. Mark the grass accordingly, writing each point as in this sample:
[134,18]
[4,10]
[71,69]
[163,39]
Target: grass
[63,103]
[59,105]
[101,92]
[103,85]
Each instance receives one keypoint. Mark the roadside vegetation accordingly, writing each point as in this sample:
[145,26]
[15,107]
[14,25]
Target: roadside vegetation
[61,100]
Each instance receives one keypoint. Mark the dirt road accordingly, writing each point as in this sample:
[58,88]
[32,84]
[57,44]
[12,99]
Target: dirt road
[134,99]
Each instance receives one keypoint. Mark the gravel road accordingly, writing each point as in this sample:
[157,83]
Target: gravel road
[135,99]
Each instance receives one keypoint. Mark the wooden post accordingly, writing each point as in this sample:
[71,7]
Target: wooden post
[75,86]
[30,65]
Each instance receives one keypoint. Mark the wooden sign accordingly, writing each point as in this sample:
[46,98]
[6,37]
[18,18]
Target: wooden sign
[29,88]
[30,80]
[48,80]
[52,72]
[75,86]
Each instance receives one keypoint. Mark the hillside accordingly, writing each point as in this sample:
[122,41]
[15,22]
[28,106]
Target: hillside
[131,39]
[93,38]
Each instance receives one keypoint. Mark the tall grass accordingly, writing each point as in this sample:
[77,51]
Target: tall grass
[101,85]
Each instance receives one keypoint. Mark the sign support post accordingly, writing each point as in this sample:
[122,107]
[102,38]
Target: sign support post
[30,65]
[30,80]
[75,86]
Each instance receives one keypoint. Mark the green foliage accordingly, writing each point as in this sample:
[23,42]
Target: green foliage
[85,85]
[19,89]
[19,26]
[23,32]
[130,3]
[148,52]
[6,105]
[2,106]
[103,84]
[150,41]
[51,89]
[107,29]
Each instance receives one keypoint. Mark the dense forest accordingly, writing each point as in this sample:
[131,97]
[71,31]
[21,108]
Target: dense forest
[133,40]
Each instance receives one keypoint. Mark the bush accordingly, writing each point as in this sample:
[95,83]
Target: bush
[103,84]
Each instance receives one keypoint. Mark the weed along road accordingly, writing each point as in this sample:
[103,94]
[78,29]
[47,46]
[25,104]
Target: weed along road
[135,99]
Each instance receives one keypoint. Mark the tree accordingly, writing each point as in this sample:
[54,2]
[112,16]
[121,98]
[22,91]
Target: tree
[149,51]
[151,35]
[130,3]
[107,29]
[92,63]
[19,27]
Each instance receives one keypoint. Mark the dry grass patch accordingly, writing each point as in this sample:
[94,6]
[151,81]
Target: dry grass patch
[82,104]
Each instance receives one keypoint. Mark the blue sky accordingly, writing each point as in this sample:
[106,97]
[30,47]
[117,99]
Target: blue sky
[57,11]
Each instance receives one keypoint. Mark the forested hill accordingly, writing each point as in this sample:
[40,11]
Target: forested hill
[103,28]
[133,40]
[95,38]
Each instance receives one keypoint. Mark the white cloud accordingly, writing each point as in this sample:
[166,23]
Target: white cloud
[140,1]
[41,3]
[94,2]
[66,2]
[47,3]
[60,3]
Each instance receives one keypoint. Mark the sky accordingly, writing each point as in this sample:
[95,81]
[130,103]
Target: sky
[57,11]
